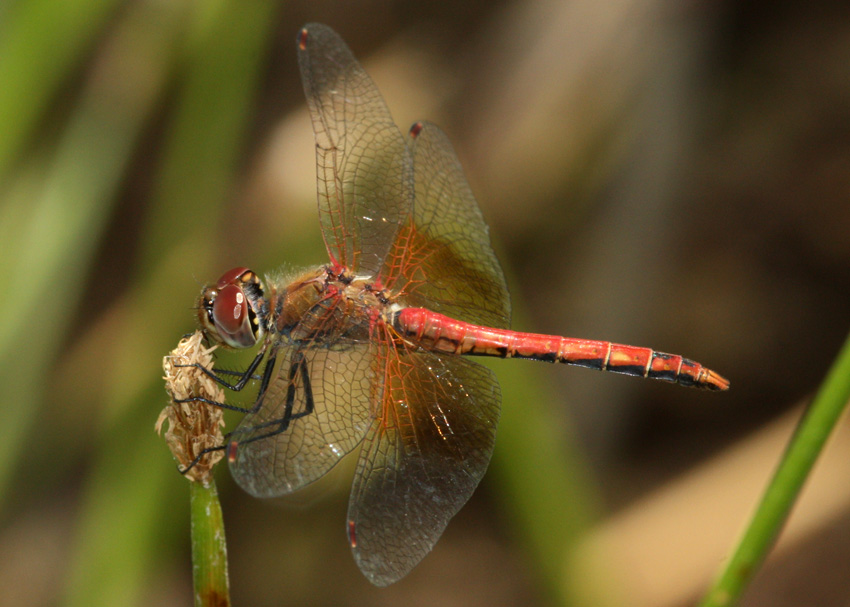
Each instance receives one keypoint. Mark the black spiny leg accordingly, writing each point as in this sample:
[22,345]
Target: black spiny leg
[277,426]
[244,377]
[236,373]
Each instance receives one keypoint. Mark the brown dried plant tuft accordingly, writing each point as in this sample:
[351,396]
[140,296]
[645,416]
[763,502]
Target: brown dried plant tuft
[192,426]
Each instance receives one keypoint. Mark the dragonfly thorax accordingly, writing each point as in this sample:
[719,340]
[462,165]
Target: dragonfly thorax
[327,302]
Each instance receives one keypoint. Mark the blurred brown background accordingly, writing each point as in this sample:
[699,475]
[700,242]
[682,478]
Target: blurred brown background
[673,175]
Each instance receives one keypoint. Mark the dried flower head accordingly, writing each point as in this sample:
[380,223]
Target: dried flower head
[192,426]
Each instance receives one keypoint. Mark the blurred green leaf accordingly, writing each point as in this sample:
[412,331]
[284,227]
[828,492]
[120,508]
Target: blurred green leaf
[57,224]
[41,43]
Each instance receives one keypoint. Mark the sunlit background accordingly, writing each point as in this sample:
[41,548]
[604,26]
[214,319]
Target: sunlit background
[675,175]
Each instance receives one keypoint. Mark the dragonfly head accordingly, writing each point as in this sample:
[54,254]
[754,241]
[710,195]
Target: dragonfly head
[231,310]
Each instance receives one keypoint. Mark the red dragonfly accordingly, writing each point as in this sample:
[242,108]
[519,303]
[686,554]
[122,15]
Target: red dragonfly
[368,350]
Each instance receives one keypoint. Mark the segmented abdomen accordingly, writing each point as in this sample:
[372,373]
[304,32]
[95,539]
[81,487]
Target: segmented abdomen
[441,333]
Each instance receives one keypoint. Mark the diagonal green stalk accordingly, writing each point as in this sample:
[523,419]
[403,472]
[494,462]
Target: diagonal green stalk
[209,547]
[779,497]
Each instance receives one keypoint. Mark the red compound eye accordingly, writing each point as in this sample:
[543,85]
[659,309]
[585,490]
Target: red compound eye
[225,309]
[231,277]
[230,309]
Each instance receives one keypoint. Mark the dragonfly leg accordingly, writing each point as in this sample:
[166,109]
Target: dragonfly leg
[236,373]
[243,376]
[231,444]
[214,403]
[199,457]
[280,425]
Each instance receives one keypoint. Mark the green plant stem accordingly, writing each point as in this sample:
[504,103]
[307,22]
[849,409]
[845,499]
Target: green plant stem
[209,547]
[796,464]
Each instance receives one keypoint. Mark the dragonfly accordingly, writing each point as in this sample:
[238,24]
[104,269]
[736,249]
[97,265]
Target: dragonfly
[372,349]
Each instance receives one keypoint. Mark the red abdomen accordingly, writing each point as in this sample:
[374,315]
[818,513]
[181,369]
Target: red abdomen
[440,333]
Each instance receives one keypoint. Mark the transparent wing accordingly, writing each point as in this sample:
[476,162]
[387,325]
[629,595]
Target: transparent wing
[328,392]
[363,168]
[422,458]
[443,259]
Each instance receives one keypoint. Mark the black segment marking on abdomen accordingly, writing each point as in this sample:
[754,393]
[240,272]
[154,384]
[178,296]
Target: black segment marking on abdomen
[589,363]
[635,370]
[663,374]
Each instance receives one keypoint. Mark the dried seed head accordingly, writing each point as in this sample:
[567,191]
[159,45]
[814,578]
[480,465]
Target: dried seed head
[192,426]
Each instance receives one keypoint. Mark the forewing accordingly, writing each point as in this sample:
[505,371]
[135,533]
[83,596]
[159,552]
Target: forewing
[423,456]
[443,259]
[363,165]
[340,383]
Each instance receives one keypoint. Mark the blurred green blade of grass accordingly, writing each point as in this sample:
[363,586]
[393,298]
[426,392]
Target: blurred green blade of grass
[228,43]
[546,487]
[120,528]
[57,230]
[227,46]
[41,43]
[817,425]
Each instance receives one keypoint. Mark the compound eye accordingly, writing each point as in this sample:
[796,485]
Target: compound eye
[229,309]
[228,314]
[231,317]
[231,277]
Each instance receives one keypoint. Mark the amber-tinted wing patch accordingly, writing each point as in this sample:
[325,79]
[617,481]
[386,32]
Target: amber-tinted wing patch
[422,458]
[442,259]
